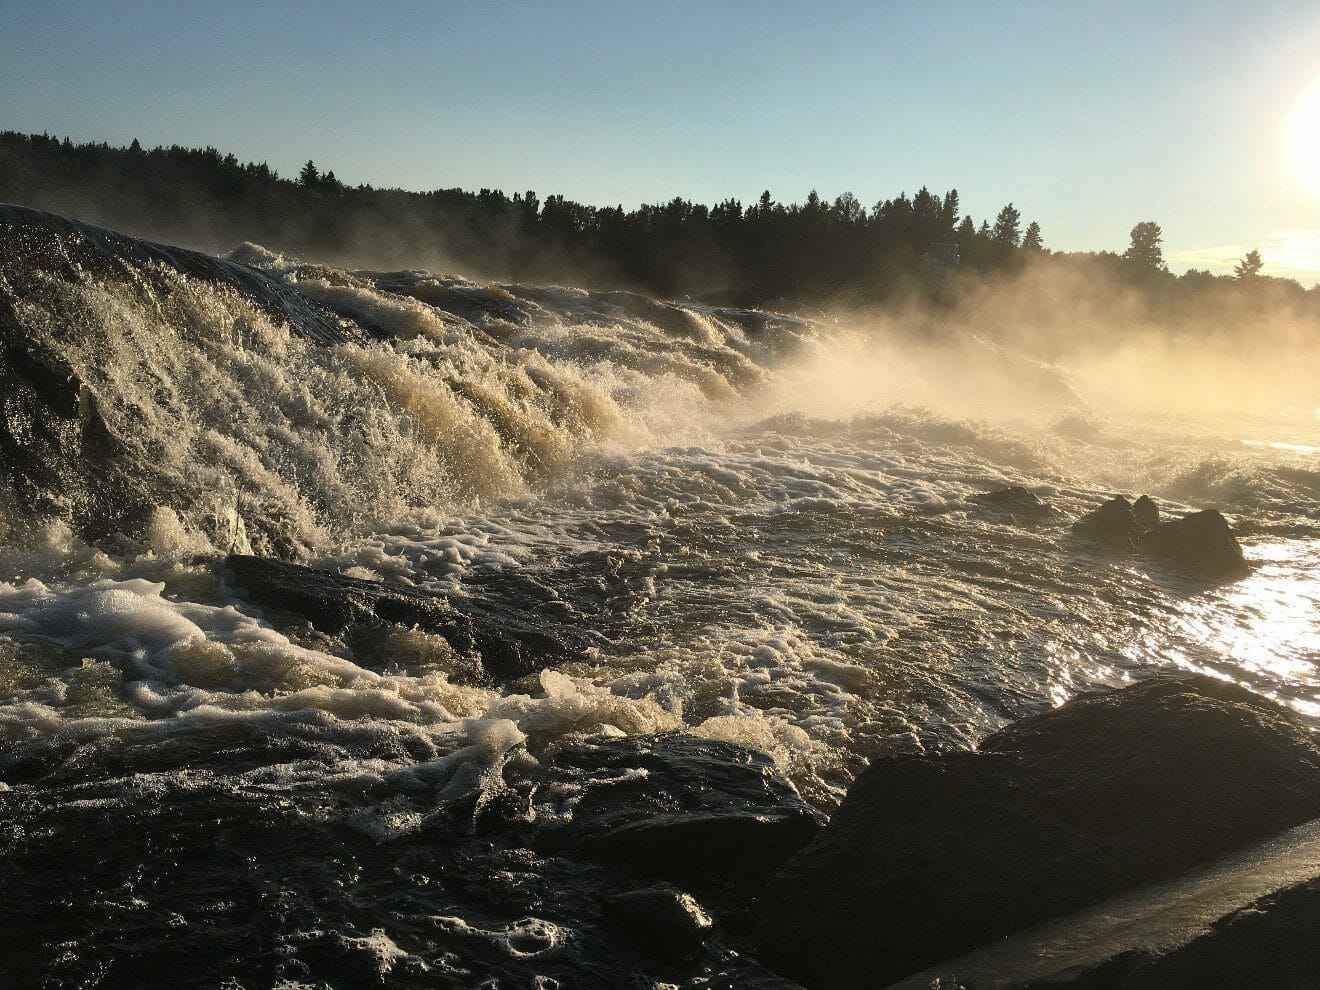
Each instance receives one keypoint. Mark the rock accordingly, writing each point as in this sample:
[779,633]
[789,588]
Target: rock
[1014,500]
[664,923]
[931,855]
[677,806]
[1272,942]
[1113,525]
[1147,513]
[511,639]
[1201,543]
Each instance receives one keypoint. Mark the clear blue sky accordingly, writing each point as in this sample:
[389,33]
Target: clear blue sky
[1089,116]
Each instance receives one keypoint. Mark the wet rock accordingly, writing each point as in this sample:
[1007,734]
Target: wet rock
[1201,543]
[509,637]
[677,806]
[931,855]
[664,923]
[1113,525]
[1014,500]
[1147,513]
[1273,942]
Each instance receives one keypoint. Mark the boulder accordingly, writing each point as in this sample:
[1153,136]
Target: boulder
[1113,525]
[1147,513]
[675,806]
[1201,544]
[512,636]
[1015,501]
[933,854]
[664,923]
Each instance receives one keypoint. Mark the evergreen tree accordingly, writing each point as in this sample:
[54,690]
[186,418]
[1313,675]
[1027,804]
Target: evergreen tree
[1250,266]
[1144,252]
[1031,239]
[1007,231]
[310,175]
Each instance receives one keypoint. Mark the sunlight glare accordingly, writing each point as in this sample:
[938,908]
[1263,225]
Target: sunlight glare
[1304,139]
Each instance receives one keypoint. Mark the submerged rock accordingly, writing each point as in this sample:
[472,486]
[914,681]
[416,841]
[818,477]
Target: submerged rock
[509,637]
[1113,525]
[1147,513]
[931,855]
[1014,500]
[1201,543]
[664,923]
[678,806]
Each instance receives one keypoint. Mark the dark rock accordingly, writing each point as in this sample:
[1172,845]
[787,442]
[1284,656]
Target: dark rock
[1273,942]
[1201,543]
[931,855]
[509,637]
[1147,513]
[664,923]
[681,807]
[1113,525]
[1014,500]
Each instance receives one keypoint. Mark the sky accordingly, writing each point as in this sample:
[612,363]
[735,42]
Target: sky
[1088,116]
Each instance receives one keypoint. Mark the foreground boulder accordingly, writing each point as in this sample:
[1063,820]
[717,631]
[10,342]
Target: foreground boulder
[1113,526]
[676,806]
[512,637]
[663,922]
[1201,543]
[931,855]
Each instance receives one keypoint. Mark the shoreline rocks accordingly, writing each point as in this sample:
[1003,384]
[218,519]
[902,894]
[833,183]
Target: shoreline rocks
[933,854]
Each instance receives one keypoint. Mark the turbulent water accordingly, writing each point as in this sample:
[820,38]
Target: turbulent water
[758,528]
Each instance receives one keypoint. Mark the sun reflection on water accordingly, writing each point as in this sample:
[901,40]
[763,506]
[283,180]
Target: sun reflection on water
[1265,629]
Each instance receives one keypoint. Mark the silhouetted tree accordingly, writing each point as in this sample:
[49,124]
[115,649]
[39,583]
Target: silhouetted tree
[1008,226]
[310,175]
[1144,251]
[1031,239]
[1250,266]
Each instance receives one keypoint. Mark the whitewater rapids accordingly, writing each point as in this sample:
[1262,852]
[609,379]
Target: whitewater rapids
[766,526]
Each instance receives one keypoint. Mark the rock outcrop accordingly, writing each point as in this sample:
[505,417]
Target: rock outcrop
[1114,526]
[1147,513]
[680,807]
[510,636]
[1201,544]
[931,855]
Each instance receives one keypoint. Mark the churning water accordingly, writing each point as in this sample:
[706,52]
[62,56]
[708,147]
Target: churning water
[757,528]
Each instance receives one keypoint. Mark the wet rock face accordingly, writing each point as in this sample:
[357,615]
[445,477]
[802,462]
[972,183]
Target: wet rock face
[663,922]
[1113,526]
[1201,543]
[1014,501]
[931,855]
[1147,513]
[680,807]
[508,636]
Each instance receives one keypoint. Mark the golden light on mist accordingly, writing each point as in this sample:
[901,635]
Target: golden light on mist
[1304,139]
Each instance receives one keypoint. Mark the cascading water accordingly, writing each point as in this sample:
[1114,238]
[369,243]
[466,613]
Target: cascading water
[738,526]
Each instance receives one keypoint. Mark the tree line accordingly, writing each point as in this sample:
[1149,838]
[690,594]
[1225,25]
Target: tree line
[814,252]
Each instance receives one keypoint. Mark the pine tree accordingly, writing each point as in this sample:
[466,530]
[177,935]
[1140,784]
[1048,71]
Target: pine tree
[310,175]
[1144,252]
[1250,266]
[1031,239]
[1008,227]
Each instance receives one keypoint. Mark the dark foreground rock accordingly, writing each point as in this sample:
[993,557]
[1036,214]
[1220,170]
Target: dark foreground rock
[1201,543]
[931,855]
[1113,526]
[663,922]
[675,806]
[512,637]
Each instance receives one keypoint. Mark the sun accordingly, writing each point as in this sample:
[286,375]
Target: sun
[1304,138]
